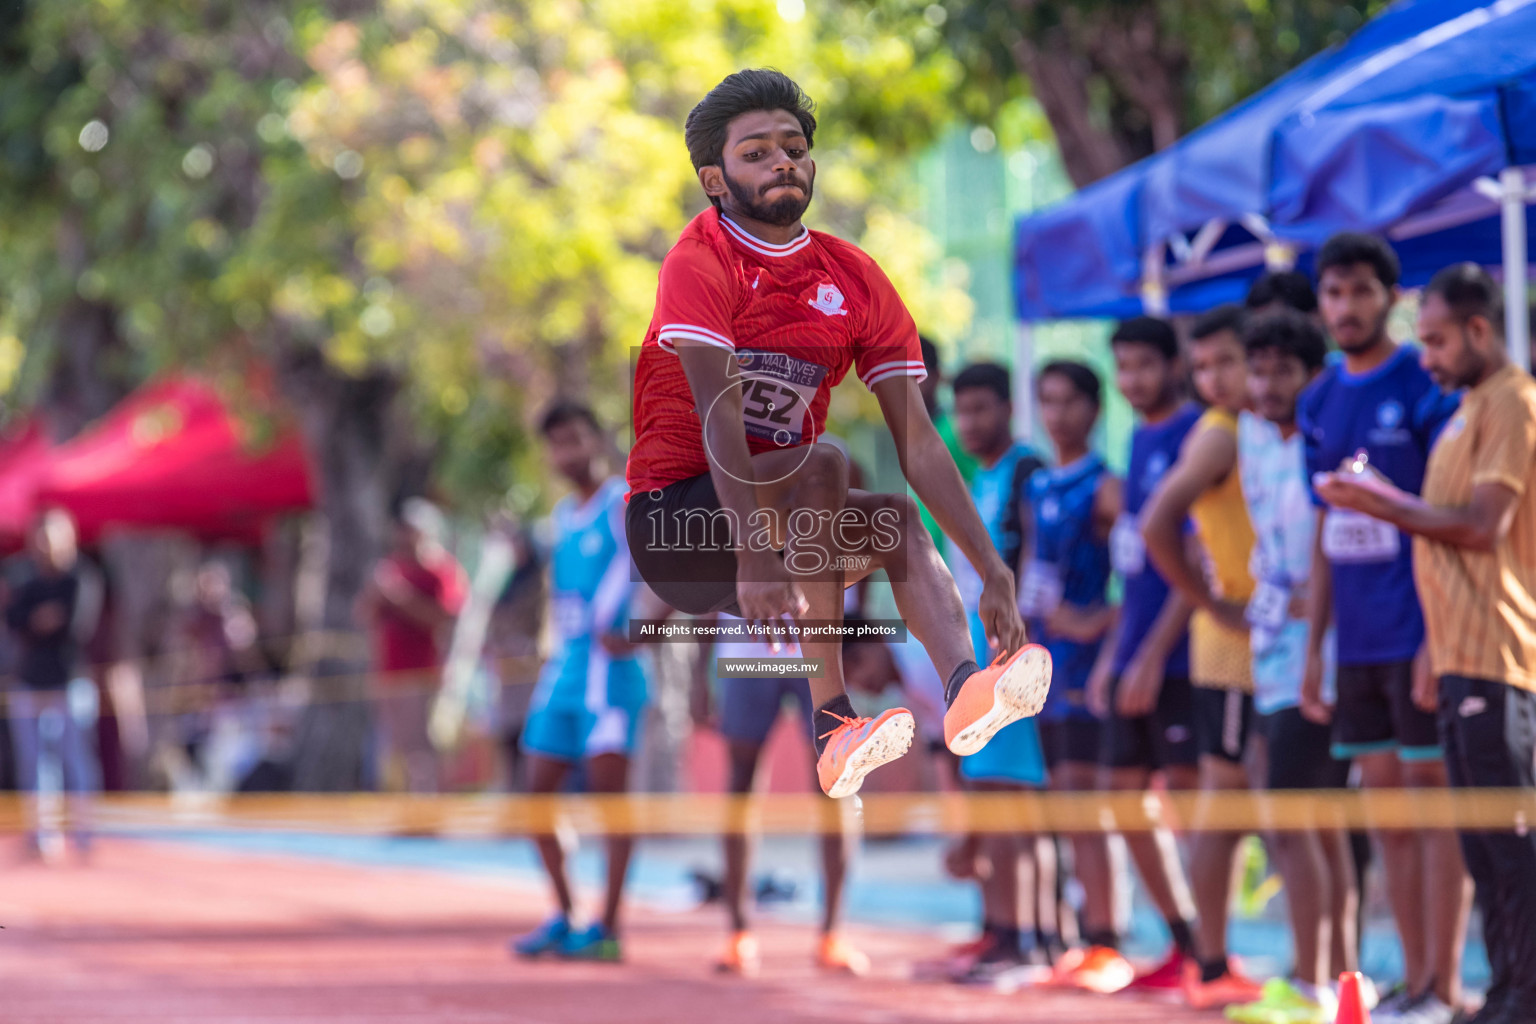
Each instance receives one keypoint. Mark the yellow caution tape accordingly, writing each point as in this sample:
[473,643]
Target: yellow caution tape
[711,814]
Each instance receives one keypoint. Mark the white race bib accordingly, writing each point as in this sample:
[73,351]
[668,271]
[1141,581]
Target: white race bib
[1350,536]
[1269,608]
[777,393]
[570,613]
[1127,553]
[1040,592]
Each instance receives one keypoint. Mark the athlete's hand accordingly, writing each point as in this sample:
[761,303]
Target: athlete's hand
[1097,694]
[1140,685]
[999,611]
[1313,706]
[1426,686]
[768,594]
[1082,625]
[1231,614]
[1369,492]
[616,644]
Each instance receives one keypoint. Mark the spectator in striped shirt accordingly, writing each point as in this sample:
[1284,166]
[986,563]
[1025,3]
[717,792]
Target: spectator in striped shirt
[1475,565]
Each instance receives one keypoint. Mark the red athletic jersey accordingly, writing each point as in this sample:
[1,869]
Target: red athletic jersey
[797,316]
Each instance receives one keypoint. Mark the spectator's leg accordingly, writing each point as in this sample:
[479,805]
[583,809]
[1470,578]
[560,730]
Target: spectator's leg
[26,740]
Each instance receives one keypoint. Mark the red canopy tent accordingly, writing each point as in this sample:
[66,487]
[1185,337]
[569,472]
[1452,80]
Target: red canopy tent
[24,457]
[173,456]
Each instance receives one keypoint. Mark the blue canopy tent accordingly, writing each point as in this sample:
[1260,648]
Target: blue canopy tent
[1421,126]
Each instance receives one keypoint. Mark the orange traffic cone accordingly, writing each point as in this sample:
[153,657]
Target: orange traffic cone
[1351,1000]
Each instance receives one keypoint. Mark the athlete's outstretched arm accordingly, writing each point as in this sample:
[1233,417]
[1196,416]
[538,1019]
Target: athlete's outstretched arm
[1208,458]
[931,471]
[764,588]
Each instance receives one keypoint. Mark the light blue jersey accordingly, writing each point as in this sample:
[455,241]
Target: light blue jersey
[1014,755]
[1273,470]
[587,702]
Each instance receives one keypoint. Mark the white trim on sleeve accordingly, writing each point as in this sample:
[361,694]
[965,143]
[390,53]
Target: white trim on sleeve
[897,368]
[692,332]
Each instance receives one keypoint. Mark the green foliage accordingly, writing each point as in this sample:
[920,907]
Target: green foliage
[474,193]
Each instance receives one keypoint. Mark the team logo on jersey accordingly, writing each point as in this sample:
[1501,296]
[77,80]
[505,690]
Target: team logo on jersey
[1050,509]
[829,300]
[1389,424]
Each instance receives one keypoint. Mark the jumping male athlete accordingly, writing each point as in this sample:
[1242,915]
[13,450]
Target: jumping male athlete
[733,505]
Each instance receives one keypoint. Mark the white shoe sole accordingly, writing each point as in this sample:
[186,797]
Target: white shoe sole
[886,743]
[1018,693]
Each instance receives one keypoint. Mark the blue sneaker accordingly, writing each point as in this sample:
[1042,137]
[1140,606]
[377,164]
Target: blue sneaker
[549,937]
[591,943]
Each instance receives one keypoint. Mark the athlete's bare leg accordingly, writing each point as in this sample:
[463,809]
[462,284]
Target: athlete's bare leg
[1155,853]
[1211,861]
[1345,954]
[737,845]
[1090,854]
[545,776]
[925,592]
[1403,866]
[609,773]
[1447,890]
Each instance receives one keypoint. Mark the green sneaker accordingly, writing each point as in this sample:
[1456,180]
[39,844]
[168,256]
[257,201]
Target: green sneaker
[1283,1003]
[591,943]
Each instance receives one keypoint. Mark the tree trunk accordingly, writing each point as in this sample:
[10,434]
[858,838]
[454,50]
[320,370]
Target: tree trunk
[347,423]
[1109,79]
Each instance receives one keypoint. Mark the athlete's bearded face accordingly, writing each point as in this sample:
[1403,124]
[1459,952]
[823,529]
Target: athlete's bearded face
[766,171]
[1455,352]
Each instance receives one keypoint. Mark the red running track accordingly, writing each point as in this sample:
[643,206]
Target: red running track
[180,934]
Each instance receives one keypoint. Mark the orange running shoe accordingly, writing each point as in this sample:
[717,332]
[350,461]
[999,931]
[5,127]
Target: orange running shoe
[860,745]
[1231,988]
[998,695]
[1095,969]
[838,954]
[1167,976]
[740,956]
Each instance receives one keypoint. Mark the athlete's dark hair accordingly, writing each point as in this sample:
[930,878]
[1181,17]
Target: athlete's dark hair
[1079,375]
[1291,334]
[742,93]
[565,411]
[1348,248]
[1229,317]
[1150,331]
[1290,288]
[991,376]
[930,355]
[1468,290]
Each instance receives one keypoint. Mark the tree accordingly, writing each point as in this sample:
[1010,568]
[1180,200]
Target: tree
[1120,79]
[428,216]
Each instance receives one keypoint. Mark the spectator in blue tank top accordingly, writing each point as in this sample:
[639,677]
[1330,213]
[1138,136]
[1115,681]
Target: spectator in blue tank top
[1139,687]
[1380,402]
[1012,760]
[1064,569]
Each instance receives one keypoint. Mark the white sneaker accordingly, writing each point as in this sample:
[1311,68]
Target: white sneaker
[1424,1009]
